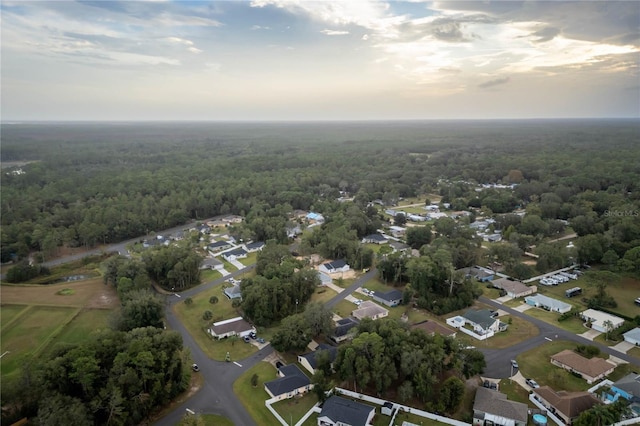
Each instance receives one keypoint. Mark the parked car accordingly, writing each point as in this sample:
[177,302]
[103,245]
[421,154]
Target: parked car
[514,363]
[532,383]
[260,340]
[253,335]
[246,339]
[195,367]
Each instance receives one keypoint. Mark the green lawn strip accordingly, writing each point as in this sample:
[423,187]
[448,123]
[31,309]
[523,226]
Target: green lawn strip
[491,293]
[85,323]
[253,398]
[228,266]
[293,409]
[518,331]
[515,392]
[625,291]
[28,337]
[323,295]
[209,275]
[11,313]
[191,317]
[342,282]
[573,325]
[513,303]
[375,284]
[344,308]
[536,364]
[602,339]
[250,259]
[634,352]
[214,420]
[620,371]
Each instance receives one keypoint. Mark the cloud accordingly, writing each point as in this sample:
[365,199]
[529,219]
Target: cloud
[494,82]
[334,32]
[259,27]
[546,34]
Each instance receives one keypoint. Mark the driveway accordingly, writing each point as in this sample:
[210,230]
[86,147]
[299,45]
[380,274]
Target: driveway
[623,347]
[224,272]
[591,334]
[523,307]
[503,299]
[237,264]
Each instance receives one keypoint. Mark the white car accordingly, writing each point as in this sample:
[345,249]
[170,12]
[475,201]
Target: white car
[357,302]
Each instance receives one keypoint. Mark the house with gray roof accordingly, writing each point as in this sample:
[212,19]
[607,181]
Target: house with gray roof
[218,245]
[211,263]
[633,336]
[369,309]
[233,292]
[514,289]
[493,407]
[399,246]
[343,329]
[253,247]
[390,298]
[375,239]
[338,411]
[628,388]
[310,359]
[291,382]
[547,303]
[238,253]
[231,327]
[479,274]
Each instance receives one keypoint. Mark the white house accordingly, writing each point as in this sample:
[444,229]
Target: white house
[547,303]
[231,327]
[235,254]
[599,318]
[334,267]
[633,336]
[483,322]
[253,247]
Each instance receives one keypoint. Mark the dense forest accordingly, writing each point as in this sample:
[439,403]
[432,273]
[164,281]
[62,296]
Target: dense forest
[86,184]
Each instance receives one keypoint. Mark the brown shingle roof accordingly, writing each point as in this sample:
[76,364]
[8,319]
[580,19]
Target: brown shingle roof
[591,367]
[571,404]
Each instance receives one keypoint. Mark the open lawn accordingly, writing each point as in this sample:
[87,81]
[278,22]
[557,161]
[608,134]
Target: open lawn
[536,364]
[209,275]
[253,398]
[635,352]
[293,409]
[191,317]
[85,323]
[344,308]
[25,338]
[573,324]
[376,284]
[10,313]
[515,392]
[250,259]
[322,295]
[91,293]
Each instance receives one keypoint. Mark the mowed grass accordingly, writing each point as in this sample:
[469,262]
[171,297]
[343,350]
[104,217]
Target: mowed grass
[49,295]
[294,409]
[515,392]
[323,295]
[573,324]
[10,313]
[191,317]
[84,324]
[253,398]
[26,338]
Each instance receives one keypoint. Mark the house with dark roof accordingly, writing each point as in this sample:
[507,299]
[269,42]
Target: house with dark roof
[390,298]
[253,247]
[334,267]
[590,369]
[310,359]
[291,382]
[338,411]
[628,388]
[233,292]
[231,327]
[432,328]
[232,255]
[493,408]
[343,329]
[483,322]
[479,274]
[565,405]
[514,289]
[219,245]
[398,246]
[211,263]
[375,239]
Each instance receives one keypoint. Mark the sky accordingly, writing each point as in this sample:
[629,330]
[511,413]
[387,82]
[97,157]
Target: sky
[318,60]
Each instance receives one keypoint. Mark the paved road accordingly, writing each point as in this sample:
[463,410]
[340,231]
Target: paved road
[498,360]
[353,287]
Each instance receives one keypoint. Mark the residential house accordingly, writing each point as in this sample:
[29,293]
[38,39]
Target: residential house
[392,212]
[416,217]
[343,329]
[397,231]
[479,225]
[154,242]
[483,322]
[477,273]
[253,247]
[547,303]
[235,254]
[514,289]
[432,327]
[565,405]
[436,215]
[218,246]
[231,327]
[310,359]
[590,369]
[390,298]
[203,228]
[334,267]
[368,309]
[375,239]
[211,263]
[492,238]
[633,336]
[291,382]
[233,292]
[599,320]
[398,246]
[232,218]
[627,387]
[293,231]
[338,411]
[313,217]
[492,408]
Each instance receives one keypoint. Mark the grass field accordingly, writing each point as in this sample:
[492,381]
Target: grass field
[573,324]
[323,295]
[344,308]
[253,398]
[89,293]
[515,392]
[293,409]
[84,324]
[209,275]
[191,317]
[250,259]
